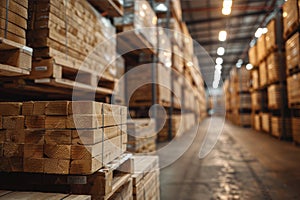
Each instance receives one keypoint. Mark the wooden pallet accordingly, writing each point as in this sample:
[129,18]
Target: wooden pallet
[15,58]
[103,184]
[110,8]
[11,195]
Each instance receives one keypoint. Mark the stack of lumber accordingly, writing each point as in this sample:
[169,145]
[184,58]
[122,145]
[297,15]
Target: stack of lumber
[273,68]
[243,80]
[256,99]
[255,79]
[39,195]
[60,33]
[278,130]
[140,90]
[257,122]
[265,119]
[261,48]
[263,74]
[253,59]
[293,85]
[271,36]
[292,47]
[140,20]
[15,57]
[141,136]
[145,177]
[14,16]
[296,129]
[274,96]
[291,17]
[60,137]
[110,182]
[180,124]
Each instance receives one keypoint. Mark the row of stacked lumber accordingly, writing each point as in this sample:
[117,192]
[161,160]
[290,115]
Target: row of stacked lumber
[275,58]
[237,97]
[163,56]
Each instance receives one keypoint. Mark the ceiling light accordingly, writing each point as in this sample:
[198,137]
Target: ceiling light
[284,14]
[260,31]
[226,11]
[221,51]
[238,65]
[222,36]
[227,3]
[264,30]
[219,61]
[249,66]
[161,7]
[218,67]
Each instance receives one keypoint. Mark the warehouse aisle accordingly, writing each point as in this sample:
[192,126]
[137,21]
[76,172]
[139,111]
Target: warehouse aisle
[244,165]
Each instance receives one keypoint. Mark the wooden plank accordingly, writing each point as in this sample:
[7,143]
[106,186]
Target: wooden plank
[18,31]
[34,136]
[56,166]
[33,195]
[34,165]
[10,108]
[16,8]
[13,150]
[57,151]
[33,151]
[13,122]
[15,136]
[57,108]
[58,137]
[7,70]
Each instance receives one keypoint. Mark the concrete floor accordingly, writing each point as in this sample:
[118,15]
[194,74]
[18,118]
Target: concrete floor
[243,165]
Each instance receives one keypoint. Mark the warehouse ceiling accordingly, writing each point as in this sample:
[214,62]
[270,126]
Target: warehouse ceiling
[205,20]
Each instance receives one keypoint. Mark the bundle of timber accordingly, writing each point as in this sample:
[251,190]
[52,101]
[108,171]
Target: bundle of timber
[253,59]
[263,74]
[255,79]
[60,33]
[261,48]
[244,101]
[274,96]
[39,195]
[14,16]
[141,136]
[140,20]
[293,85]
[277,127]
[145,177]
[296,129]
[61,137]
[271,36]
[109,183]
[243,80]
[291,17]
[140,90]
[265,120]
[15,57]
[256,100]
[175,30]
[180,124]
[292,47]
[273,68]
[244,119]
[257,122]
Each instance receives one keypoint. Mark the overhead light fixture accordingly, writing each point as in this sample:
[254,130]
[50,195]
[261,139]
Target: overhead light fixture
[219,61]
[260,31]
[218,67]
[161,7]
[249,66]
[226,11]
[222,36]
[221,51]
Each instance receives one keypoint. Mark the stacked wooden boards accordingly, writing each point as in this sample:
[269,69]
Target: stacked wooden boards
[141,136]
[291,17]
[15,57]
[61,137]
[145,178]
[10,195]
[277,127]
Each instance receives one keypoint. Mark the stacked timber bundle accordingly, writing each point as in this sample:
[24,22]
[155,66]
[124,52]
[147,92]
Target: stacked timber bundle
[61,137]
[256,99]
[274,97]
[292,47]
[255,79]
[145,177]
[244,101]
[60,33]
[243,80]
[257,122]
[244,119]
[290,17]
[293,84]
[271,37]
[15,56]
[278,130]
[265,119]
[253,59]
[261,48]
[40,195]
[141,136]
[296,129]
[140,20]
[273,68]
[263,74]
